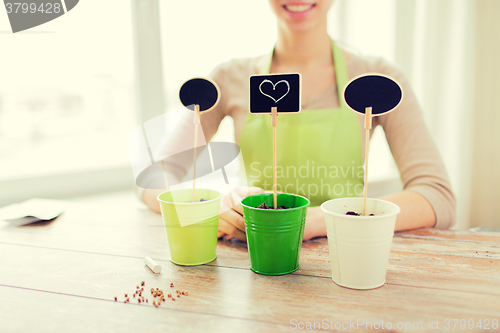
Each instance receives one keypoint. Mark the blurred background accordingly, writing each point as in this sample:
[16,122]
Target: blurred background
[72,90]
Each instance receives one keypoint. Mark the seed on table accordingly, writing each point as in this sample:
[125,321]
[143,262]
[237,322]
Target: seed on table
[169,295]
[186,293]
[116,298]
[126,295]
[137,287]
[146,300]
[139,300]
[142,283]
[171,284]
[173,299]
[133,295]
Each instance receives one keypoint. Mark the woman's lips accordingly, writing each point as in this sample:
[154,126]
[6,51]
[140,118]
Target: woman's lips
[299,10]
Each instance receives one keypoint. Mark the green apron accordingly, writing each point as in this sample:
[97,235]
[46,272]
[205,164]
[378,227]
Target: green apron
[319,152]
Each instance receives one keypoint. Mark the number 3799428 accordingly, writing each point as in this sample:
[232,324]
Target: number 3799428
[24,7]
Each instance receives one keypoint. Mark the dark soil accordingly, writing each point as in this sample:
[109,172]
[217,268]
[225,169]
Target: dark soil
[265,206]
[355,214]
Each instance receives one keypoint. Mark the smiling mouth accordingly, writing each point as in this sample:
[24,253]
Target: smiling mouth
[298,8]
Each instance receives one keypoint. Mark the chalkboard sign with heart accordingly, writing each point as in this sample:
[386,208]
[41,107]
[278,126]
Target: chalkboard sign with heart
[275,90]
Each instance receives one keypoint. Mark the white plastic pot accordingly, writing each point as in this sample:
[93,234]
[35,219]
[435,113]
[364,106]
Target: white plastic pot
[359,245]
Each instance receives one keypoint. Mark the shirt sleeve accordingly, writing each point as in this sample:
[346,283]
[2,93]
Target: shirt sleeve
[417,157]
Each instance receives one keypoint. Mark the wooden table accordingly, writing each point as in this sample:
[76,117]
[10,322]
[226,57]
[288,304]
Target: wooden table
[62,276]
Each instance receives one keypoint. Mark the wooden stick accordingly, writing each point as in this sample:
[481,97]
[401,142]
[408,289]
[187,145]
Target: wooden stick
[165,174]
[368,126]
[274,123]
[196,125]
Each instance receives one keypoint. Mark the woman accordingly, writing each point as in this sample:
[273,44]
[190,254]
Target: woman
[324,140]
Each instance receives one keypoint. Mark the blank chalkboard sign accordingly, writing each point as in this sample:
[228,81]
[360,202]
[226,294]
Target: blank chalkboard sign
[380,92]
[199,91]
[275,90]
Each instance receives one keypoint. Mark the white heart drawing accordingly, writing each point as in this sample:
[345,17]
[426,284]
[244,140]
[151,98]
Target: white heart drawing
[274,88]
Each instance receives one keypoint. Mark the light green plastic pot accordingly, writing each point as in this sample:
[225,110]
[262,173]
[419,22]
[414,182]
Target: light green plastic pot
[191,226]
[274,236]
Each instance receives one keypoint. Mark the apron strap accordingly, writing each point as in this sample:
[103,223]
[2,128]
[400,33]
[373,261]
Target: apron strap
[265,66]
[340,72]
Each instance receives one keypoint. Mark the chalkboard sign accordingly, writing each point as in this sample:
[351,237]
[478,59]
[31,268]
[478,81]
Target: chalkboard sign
[275,90]
[201,91]
[378,91]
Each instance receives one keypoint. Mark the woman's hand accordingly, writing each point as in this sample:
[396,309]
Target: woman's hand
[315,223]
[231,223]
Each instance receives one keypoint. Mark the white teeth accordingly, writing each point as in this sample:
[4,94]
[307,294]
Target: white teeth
[298,8]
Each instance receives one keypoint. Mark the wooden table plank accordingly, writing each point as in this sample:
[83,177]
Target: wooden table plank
[40,311]
[431,233]
[237,293]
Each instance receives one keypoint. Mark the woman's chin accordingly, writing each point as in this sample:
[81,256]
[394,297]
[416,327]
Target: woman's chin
[300,27]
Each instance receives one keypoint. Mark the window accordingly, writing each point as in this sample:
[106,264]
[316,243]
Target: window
[67,92]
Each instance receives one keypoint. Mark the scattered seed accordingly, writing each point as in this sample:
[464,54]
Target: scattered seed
[169,295]
[116,298]
[133,295]
[173,299]
[146,300]
[137,287]
[186,293]
[171,284]
[142,283]
[126,295]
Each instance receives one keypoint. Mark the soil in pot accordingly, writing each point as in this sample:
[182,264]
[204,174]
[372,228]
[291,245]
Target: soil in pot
[356,214]
[265,206]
